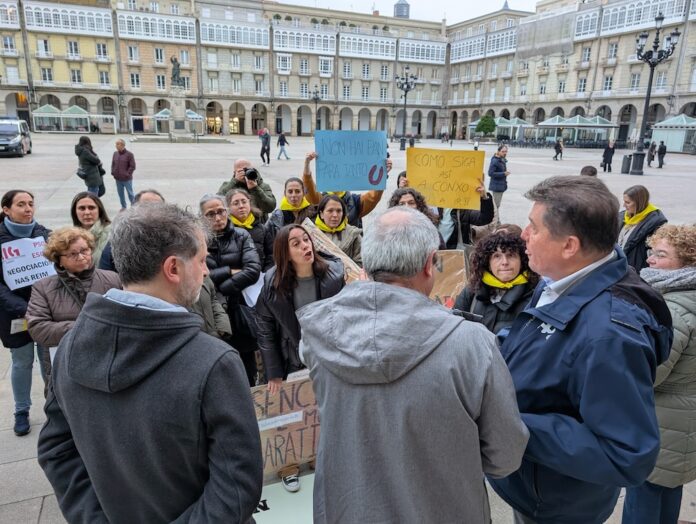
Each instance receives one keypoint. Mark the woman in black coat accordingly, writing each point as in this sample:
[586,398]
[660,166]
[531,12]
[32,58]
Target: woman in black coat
[607,156]
[90,168]
[501,283]
[293,209]
[249,218]
[638,221]
[234,265]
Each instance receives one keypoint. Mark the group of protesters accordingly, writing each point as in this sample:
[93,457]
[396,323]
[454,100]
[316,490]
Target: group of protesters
[564,372]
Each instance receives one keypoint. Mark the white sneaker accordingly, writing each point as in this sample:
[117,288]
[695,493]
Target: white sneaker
[291,483]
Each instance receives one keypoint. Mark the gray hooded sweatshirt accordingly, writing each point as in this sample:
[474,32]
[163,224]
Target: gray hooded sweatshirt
[416,404]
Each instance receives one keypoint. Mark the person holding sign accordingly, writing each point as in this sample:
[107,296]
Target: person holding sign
[332,219]
[22,240]
[455,224]
[294,207]
[357,205]
[56,301]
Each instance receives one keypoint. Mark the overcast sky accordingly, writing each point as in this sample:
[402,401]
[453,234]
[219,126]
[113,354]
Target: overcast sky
[432,10]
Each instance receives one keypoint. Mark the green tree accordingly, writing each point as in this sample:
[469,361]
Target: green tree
[486,125]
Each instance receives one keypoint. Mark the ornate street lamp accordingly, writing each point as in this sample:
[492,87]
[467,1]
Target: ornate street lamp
[317,98]
[406,83]
[652,57]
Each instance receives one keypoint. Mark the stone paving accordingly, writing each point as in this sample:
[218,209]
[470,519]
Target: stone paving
[183,173]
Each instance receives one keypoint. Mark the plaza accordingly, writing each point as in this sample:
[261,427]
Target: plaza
[183,173]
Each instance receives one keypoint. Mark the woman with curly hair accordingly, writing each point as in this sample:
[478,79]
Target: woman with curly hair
[672,272]
[501,282]
[407,196]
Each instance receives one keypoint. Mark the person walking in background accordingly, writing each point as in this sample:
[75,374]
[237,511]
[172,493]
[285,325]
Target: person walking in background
[652,151]
[265,138]
[608,156]
[672,272]
[638,221]
[498,173]
[558,148]
[661,152]
[90,166]
[282,142]
[122,168]
[87,211]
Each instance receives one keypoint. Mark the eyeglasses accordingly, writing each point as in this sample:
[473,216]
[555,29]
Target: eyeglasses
[86,252]
[657,254]
[212,215]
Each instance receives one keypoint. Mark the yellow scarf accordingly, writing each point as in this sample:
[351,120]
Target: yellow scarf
[287,206]
[339,194]
[326,229]
[247,224]
[639,217]
[490,280]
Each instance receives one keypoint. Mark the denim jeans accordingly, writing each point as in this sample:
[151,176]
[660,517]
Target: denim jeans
[652,504]
[128,187]
[22,363]
[93,189]
[283,152]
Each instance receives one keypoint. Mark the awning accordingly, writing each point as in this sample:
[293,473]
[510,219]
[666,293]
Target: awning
[47,110]
[75,111]
[680,121]
[165,114]
[518,122]
[577,121]
[556,121]
[598,121]
[192,115]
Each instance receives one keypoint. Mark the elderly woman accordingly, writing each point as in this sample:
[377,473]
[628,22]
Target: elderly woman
[639,220]
[332,219]
[87,211]
[672,272]
[249,218]
[234,265]
[56,301]
[501,283]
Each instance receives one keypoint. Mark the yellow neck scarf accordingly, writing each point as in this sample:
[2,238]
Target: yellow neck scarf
[326,229]
[339,194]
[247,224]
[639,217]
[287,206]
[490,280]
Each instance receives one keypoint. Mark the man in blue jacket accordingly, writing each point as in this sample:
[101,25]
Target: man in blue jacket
[582,357]
[498,173]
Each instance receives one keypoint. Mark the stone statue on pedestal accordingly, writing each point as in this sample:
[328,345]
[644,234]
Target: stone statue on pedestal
[177,81]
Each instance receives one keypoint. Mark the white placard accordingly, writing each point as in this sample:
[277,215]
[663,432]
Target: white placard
[280,420]
[251,293]
[23,263]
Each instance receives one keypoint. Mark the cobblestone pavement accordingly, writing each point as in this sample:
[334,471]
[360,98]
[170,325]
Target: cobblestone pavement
[183,173]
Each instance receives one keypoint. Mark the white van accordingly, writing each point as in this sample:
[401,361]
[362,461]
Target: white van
[15,138]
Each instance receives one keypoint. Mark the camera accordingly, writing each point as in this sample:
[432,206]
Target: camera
[251,173]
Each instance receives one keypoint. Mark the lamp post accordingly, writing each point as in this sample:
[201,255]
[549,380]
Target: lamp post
[317,98]
[406,83]
[652,57]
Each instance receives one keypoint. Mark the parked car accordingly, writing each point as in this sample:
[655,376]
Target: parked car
[15,138]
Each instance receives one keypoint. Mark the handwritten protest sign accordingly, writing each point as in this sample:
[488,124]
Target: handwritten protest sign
[446,178]
[323,243]
[288,423]
[450,277]
[351,160]
[23,263]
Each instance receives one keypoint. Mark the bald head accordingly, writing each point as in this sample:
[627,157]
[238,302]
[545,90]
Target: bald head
[239,165]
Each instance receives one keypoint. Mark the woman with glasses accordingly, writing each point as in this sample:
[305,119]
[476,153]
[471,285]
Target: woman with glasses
[17,222]
[249,218]
[87,211]
[638,221]
[234,265]
[56,301]
[672,272]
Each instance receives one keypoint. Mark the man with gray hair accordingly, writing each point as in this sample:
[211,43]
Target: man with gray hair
[416,403]
[148,418]
[122,168]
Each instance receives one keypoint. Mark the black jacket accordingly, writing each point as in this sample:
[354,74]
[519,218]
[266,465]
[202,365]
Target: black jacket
[263,240]
[13,304]
[499,315]
[106,261]
[661,150]
[280,218]
[468,218]
[608,155]
[90,164]
[234,249]
[636,249]
[149,420]
[278,329]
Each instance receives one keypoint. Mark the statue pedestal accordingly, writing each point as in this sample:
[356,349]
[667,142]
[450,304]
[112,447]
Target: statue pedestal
[177,122]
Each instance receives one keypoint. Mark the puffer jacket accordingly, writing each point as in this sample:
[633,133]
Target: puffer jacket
[636,249]
[280,219]
[89,162]
[278,329]
[263,240]
[13,304]
[233,249]
[499,315]
[215,320]
[675,391]
[496,173]
[349,241]
[52,309]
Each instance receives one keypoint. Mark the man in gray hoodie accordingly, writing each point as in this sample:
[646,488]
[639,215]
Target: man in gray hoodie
[416,403]
[148,418]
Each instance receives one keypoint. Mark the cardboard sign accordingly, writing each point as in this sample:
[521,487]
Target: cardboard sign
[288,423]
[323,243]
[450,277]
[351,160]
[23,263]
[446,178]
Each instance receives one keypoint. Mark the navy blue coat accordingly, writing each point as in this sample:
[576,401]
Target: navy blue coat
[496,172]
[583,368]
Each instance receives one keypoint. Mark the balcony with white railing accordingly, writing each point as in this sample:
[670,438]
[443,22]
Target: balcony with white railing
[367,46]
[103,59]
[8,15]
[157,27]
[67,19]
[582,65]
[45,55]
[299,40]
[11,52]
[75,57]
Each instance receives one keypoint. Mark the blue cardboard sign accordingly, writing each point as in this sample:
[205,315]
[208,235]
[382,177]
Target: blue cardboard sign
[351,160]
